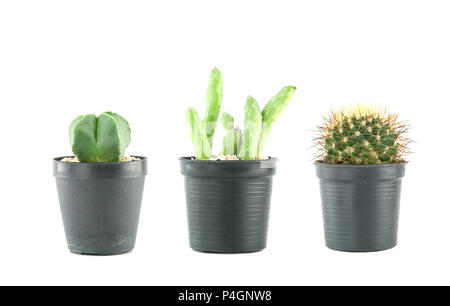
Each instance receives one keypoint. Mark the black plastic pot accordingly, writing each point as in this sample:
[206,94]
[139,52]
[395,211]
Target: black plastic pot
[100,204]
[228,204]
[360,205]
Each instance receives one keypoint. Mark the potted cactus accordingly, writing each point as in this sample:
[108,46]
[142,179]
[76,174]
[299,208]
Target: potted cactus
[100,189]
[228,195]
[360,166]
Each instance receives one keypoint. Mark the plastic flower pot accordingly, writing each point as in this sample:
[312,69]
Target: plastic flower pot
[360,205]
[100,204]
[228,203]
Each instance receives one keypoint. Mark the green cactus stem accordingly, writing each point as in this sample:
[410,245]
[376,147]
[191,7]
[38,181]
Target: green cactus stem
[202,131]
[362,135]
[99,139]
[252,130]
[227,121]
[271,112]
[213,103]
[198,136]
[233,138]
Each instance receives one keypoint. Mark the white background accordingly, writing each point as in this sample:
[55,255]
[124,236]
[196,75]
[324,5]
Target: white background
[150,61]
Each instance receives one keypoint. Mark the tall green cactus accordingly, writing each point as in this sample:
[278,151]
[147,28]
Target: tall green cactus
[271,112]
[252,129]
[99,139]
[257,125]
[233,138]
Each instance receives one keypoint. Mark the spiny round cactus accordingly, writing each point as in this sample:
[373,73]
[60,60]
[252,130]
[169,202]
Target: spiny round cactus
[362,135]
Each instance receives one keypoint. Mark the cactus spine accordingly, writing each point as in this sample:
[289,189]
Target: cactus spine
[362,135]
[99,139]
[233,138]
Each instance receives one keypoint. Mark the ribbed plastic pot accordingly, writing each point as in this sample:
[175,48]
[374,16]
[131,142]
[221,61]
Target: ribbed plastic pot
[100,204]
[360,205]
[228,203]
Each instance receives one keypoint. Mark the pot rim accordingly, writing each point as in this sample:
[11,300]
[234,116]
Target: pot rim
[215,161]
[110,170]
[228,168]
[58,159]
[323,164]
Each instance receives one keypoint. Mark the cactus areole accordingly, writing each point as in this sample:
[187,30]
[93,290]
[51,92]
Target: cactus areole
[246,145]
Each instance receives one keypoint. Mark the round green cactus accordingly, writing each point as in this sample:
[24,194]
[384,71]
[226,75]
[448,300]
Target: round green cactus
[99,139]
[362,135]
